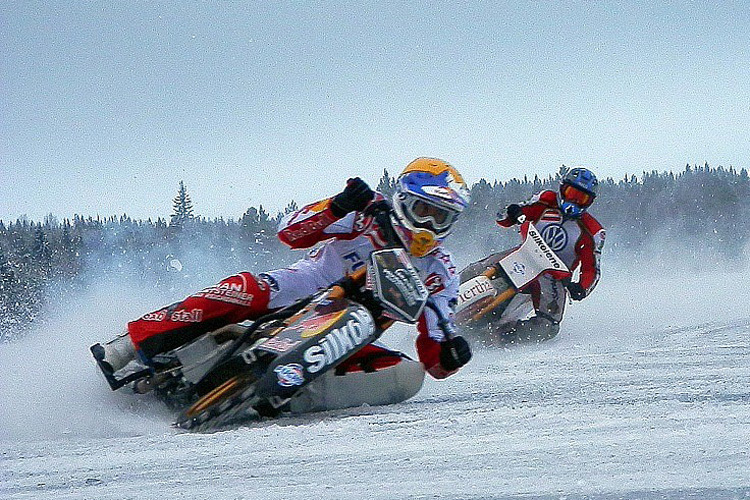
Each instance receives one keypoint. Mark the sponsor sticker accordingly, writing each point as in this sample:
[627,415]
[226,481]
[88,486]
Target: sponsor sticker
[439,191]
[473,290]
[270,281]
[279,345]
[290,375]
[340,341]
[544,248]
[434,283]
[192,316]
[556,236]
[309,226]
[361,222]
[446,259]
[600,245]
[227,291]
[317,324]
[407,286]
[519,268]
[155,316]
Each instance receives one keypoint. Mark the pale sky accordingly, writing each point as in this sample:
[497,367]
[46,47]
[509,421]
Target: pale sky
[106,105]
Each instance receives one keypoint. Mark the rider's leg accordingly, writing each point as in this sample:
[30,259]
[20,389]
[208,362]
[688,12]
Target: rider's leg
[536,329]
[234,299]
[115,354]
[549,304]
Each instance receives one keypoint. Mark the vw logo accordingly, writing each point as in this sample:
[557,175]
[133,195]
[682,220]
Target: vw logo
[555,236]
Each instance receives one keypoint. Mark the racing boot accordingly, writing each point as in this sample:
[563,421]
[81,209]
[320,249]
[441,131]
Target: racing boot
[113,356]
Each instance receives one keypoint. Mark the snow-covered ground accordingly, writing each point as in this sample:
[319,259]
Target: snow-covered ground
[644,395]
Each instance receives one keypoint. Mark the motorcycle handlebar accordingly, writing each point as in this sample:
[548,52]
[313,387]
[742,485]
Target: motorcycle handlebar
[380,211]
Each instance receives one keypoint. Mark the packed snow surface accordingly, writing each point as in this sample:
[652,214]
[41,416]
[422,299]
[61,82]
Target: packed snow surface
[645,394]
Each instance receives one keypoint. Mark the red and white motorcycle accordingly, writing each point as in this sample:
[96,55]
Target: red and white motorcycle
[491,297]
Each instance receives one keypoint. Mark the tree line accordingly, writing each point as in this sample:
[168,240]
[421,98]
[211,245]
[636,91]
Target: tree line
[698,212]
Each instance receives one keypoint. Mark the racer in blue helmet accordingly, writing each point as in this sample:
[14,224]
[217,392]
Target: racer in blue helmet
[340,236]
[563,220]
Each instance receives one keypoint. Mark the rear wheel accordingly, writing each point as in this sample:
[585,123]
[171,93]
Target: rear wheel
[227,395]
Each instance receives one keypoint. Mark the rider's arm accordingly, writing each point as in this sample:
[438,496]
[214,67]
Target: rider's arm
[532,209]
[443,283]
[337,217]
[306,227]
[315,223]
[429,342]
[589,249]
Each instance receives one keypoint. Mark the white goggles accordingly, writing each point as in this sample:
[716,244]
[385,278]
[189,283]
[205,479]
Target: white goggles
[425,215]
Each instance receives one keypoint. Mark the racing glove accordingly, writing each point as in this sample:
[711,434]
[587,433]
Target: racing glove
[355,197]
[513,213]
[454,353]
[577,292]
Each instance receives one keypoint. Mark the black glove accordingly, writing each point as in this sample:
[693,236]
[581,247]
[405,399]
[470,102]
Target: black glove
[577,292]
[355,196]
[454,353]
[513,213]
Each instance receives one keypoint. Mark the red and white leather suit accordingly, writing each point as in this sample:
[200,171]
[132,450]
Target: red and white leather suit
[345,244]
[577,241]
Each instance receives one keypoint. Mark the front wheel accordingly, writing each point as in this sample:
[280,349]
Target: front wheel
[229,402]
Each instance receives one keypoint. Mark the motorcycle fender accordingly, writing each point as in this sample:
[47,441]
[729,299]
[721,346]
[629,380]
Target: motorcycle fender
[474,290]
[531,259]
[385,386]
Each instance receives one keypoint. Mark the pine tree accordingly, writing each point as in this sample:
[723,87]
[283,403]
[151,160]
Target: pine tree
[387,185]
[291,207]
[14,312]
[182,207]
[41,255]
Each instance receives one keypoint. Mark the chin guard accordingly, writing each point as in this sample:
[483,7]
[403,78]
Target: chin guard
[422,242]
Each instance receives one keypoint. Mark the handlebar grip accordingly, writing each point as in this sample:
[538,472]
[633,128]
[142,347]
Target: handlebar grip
[381,212]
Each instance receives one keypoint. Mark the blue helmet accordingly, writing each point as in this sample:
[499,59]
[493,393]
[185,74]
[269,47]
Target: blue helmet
[430,195]
[578,188]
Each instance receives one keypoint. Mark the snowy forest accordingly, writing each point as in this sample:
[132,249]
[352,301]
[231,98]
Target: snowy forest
[696,211]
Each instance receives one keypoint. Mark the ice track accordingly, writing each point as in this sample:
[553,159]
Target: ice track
[656,407]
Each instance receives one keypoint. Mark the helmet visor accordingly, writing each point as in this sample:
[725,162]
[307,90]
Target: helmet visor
[574,195]
[428,216]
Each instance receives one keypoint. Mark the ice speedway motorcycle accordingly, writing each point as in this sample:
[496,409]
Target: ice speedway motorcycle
[490,301]
[313,355]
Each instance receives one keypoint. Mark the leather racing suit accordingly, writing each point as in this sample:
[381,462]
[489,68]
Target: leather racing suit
[577,241]
[338,246]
